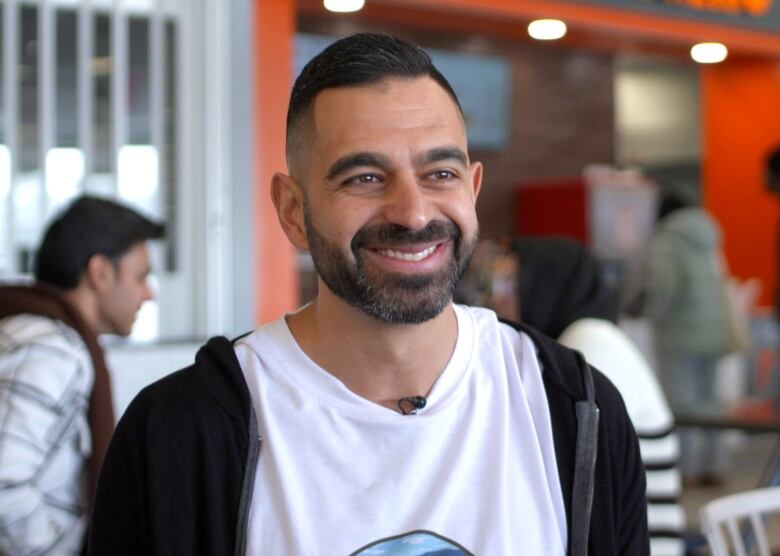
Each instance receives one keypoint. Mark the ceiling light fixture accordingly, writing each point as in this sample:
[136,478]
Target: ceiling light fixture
[709,52]
[343,6]
[547,29]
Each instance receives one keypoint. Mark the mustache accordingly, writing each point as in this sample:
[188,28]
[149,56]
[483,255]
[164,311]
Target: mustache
[395,234]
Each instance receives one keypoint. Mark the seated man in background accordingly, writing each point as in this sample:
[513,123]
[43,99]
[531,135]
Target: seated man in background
[56,415]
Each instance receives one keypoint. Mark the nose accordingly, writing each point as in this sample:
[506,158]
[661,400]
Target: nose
[148,293]
[407,204]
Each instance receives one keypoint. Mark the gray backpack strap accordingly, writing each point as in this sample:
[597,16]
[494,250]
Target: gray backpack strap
[584,464]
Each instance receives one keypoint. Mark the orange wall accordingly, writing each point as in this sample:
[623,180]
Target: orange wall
[741,109]
[276,275]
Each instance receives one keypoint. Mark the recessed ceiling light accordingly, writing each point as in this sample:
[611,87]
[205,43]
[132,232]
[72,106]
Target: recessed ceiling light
[343,6]
[547,29]
[709,52]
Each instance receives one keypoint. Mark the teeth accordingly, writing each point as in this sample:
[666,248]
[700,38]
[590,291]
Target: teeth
[393,254]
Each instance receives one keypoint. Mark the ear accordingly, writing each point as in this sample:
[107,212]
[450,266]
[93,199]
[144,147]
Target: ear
[476,178]
[99,273]
[288,196]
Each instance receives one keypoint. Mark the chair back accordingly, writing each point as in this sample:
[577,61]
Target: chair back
[729,511]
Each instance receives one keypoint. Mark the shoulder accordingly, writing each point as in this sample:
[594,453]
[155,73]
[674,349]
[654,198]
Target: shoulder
[44,353]
[211,388]
[33,330]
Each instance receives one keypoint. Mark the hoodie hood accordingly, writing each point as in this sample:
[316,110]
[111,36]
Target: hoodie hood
[693,225]
[560,283]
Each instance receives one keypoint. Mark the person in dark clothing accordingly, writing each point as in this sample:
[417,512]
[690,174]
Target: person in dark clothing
[56,416]
[381,413]
[560,283]
[772,181]
[563,294]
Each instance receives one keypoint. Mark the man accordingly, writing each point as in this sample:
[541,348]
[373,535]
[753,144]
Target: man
[380,417]
[55,401]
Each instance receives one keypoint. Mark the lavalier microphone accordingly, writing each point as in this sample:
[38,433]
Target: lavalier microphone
[411,404]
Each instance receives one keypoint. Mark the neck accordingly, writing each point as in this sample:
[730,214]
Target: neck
[377,361]
[85,303]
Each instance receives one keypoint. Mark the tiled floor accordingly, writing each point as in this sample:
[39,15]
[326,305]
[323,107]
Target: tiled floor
[749,455]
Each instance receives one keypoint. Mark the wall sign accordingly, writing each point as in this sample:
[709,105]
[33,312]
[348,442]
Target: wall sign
[755,8]
[760,15]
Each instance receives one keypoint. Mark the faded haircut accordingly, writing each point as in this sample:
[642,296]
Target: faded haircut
[361,59]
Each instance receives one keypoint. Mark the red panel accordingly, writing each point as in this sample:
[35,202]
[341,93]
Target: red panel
[741,110]
[557,207]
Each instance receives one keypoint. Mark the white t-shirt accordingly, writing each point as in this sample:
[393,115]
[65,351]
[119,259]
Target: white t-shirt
[474,472]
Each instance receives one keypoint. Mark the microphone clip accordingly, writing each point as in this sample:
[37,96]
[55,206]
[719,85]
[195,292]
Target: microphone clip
[411,404]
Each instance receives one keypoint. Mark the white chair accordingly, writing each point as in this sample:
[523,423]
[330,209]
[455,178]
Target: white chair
[729,510]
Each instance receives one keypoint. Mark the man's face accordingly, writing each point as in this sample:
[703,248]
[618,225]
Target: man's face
[120,300]
[389,208]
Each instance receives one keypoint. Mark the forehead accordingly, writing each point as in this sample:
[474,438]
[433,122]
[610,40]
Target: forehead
[135,258]
[395,114]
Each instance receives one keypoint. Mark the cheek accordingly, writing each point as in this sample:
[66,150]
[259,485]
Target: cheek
[340,225]
[462,212]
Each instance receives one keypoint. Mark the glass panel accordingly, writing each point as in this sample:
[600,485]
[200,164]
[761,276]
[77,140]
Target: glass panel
[26,191]
[170,147]
[5,162]
[139,128]
[5,187]
[28,88]
[64,163]
[64,174]
[101,78]
[66,98]
[138,171]
[2,90]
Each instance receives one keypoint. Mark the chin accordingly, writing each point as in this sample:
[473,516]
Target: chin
[123,331]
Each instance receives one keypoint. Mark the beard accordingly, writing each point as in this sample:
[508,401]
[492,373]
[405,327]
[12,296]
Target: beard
[391,297]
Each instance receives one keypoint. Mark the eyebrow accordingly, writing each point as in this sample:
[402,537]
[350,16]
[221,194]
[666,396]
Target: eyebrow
[382,162]
[443,153]
[357,160]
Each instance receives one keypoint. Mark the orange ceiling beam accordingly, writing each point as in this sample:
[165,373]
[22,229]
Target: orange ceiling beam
[610,20]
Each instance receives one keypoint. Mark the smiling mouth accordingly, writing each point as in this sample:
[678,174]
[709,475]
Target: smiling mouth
[406,255]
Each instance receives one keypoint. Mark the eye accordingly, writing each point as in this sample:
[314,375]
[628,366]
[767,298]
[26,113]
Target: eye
[362,179]
[442,175]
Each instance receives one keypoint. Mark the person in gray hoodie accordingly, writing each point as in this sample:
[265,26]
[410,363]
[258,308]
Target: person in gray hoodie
[687,307]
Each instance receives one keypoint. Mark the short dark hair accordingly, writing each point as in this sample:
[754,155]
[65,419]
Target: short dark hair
[361,59]
[670,202]
[89,226]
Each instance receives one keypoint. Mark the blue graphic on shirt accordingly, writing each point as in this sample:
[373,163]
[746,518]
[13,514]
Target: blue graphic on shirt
[415,543]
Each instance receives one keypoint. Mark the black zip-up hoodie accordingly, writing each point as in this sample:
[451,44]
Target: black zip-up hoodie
[178,475]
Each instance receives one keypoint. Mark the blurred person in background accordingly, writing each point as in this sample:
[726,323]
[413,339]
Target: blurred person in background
[686,303]
[772,181]
[56,415]
[564,295]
